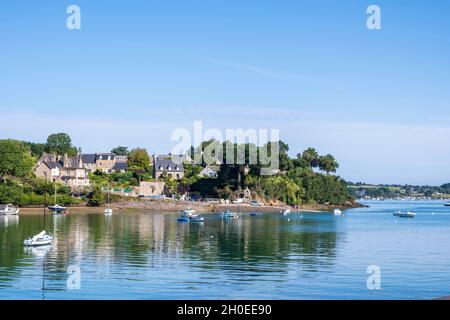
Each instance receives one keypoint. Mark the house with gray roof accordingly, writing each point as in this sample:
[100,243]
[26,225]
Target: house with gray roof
[163,165]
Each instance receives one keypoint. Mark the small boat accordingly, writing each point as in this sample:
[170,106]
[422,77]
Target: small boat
[40,239]
[183,219]
[406,214]
[108,211]
[337,212]
[254,214]
[229,214]
[285,212]
[8,209]
[57,208]
[188,212]
[196,218]
[447,204]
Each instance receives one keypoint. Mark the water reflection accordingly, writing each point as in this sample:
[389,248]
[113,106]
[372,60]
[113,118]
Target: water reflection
[135,246]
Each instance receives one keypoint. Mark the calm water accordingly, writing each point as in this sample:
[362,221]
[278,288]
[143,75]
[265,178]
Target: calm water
[145,255]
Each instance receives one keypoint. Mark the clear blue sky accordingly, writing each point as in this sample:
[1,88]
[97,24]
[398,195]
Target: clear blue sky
[377,100]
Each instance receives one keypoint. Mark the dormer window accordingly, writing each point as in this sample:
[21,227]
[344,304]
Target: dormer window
[177,168]
[161,168]
[169,168]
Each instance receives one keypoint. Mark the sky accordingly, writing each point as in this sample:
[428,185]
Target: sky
[378,100]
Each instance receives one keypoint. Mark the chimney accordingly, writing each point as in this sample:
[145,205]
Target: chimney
[66,158]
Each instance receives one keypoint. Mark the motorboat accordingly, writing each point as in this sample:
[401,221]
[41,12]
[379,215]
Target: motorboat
[8,209]
[183,219]
[406,214]
[229,214]
[337,212]
[40,239]
[285,212]
[447,204]
[254,214]
[108,212]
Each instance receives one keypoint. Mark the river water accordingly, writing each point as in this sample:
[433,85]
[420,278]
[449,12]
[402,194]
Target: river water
[144,255]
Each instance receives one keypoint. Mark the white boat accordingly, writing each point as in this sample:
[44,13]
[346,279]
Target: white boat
[229,214]
[188,213]
[285,212]
[337,212]
[406,214]
[108,211]
[57,208]
[8,209]
[40,239]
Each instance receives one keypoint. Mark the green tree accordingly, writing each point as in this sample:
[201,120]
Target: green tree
[311,157]
[61,143]
[328,163]
[120,151]
[15,159]
[96,197]
[139,159]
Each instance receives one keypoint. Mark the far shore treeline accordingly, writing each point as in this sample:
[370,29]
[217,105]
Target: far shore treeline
[309,178]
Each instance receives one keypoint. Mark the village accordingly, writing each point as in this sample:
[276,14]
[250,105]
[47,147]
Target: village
[75,172]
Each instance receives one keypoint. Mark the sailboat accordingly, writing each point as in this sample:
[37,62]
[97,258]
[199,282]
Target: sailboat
[41,238]
[56,208]
[108,211]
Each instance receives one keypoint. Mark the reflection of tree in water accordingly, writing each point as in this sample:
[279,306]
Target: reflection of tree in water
[253,247]
[264,244]
[12,234]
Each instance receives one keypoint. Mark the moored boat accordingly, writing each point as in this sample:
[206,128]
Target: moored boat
[337,212]
[447,204]
[108,211]
[57,208]
[229,214]
[40,239]
[188,212]
[8,209]
[196,218]
[285,212]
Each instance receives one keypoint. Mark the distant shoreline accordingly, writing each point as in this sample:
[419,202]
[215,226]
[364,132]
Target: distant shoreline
[202,207]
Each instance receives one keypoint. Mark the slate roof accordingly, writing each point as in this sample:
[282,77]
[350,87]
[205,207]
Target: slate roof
[104,156]
[166,164]
[88,158]
[120,166]
[53,164]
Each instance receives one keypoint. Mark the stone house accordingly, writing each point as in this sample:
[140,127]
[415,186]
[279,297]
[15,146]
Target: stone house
[164,165]
[210,172]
